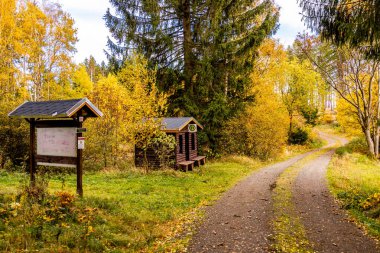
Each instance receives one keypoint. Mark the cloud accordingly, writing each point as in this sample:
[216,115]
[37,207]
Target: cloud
[92,32]
[290,21]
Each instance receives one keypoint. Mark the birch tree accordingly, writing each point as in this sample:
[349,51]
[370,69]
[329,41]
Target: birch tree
[358,84]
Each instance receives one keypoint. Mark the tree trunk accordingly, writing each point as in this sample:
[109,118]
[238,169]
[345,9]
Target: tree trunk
[187,46]
[377,141]
[226,77]
[290,123]
[371,146]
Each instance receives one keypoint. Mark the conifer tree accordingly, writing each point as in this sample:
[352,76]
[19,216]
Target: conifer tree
[346,21]
[203,49]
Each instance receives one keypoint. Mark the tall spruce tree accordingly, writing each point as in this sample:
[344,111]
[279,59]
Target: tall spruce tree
[346,21]
[203,49]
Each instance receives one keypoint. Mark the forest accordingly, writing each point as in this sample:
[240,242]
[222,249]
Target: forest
[217,61]
[138,84]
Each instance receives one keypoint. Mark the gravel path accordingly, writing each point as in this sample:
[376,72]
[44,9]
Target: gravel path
[327,226]
[240,220]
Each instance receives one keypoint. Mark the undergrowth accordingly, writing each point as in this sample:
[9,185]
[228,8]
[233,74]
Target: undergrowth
[122,211]
[355,181]
[356,145]
[33,219]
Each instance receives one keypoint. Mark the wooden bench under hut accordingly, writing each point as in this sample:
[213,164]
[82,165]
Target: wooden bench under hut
[185,156]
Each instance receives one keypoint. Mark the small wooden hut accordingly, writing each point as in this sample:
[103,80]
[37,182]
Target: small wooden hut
[185,155]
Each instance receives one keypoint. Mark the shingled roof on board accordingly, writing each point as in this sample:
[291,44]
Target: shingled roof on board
[177,124]
[53,109]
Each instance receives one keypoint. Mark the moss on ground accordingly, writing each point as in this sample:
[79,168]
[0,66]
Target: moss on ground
[289,232]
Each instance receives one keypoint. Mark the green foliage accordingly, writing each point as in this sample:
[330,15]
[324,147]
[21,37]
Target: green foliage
[356,145]
[355,180]
[302,91]
[14,146]
[202,51]
[129,210]
[37,220]
[14,134]
[346,22]
[164,146]
[310,114]
[298,136]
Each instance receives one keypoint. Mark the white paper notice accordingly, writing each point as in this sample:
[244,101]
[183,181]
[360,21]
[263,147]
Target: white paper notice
[57,142]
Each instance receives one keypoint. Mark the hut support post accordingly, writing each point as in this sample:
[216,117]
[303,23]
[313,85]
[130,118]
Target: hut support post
[79,165]
[32,157]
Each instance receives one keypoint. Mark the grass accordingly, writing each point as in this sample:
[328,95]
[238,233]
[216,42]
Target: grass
[134,211]
[355,180]
[122,211]
[289,232]
[333,129]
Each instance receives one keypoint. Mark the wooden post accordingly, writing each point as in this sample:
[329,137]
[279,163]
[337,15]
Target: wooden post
[32,153]
[79,164]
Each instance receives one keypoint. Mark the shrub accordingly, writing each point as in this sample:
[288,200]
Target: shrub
[311,115]
[372,205]
[255,132]
[314,141]
[357,145]
[14,145]
[298,136]
[328,117]
[163,146]
[36,220]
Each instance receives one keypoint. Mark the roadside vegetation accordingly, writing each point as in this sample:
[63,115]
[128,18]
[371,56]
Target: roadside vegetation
[125,211]
[214,61]
[354,179]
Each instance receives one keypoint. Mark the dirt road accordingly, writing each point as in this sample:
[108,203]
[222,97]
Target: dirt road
[241,220]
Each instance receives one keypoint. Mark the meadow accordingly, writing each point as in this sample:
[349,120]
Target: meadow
[122,211]
[355,181]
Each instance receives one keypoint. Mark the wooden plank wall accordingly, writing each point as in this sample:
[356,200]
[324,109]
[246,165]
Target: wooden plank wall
[153,159]
[180,157]
[193,153]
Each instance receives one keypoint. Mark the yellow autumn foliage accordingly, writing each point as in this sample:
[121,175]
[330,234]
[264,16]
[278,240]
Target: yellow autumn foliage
[261,130]
[347,119]
[82,83]
[107,134]
[129,102]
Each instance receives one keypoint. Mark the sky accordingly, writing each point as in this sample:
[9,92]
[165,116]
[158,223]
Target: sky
[92,32]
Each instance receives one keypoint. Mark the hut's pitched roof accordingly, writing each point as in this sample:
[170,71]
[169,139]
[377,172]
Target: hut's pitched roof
[54,109]
[178,123]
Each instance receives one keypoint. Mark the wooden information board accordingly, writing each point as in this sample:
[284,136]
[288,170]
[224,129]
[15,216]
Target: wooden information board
[57,142]
[56,133]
